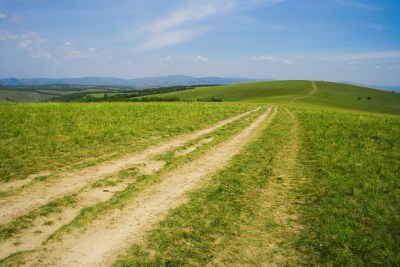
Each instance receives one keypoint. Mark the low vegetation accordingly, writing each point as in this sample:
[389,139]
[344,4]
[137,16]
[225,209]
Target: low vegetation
[352,207]
[44,137]
[319,185]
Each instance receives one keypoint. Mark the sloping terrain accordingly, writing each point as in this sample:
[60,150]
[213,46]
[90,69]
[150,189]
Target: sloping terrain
[329,94]
[311,179]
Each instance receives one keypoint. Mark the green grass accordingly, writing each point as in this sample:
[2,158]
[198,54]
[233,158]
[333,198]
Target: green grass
[23,96]
[272,92]
[352,209]
[329,94]
[348,205]
[347,96]
[226,218]
[121,199]
[37,137]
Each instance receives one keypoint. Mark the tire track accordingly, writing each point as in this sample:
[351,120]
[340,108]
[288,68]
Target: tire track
[314,89]
[37,195]
[106,238]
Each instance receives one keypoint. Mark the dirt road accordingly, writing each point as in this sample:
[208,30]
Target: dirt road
[39,194]
[107,237]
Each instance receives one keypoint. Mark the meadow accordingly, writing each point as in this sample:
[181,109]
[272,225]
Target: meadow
[45,137]
[317,184]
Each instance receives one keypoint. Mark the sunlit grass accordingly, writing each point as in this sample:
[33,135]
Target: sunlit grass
[36,137]
[352,212]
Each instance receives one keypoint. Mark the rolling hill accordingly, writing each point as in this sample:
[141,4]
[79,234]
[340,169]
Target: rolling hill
[329,94]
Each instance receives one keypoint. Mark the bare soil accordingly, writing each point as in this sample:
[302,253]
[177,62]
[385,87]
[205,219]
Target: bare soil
[110,236]
[39,194]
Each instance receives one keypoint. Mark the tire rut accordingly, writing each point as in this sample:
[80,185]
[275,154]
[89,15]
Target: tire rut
[106,238]
[39,194]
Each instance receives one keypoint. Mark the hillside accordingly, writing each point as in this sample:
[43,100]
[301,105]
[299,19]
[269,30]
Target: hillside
[238,183]
[326,94]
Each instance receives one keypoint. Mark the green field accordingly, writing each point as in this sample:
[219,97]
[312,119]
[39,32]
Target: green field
[318,185]
[38,137]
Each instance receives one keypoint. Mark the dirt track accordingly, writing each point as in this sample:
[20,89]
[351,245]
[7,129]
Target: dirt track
[39,194]
[108,237]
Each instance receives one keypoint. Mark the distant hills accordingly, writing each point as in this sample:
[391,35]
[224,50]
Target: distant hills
[140,82]
[160,81]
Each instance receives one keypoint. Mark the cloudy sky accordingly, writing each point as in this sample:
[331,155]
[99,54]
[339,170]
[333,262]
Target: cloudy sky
[336,40]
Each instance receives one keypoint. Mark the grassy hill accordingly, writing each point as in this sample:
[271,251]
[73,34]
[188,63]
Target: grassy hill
[317,185]
[280,92]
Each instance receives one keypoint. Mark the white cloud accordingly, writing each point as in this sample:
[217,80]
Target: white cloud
[263,58]
[354,4]
[72,51]
[178,25]
[30,42]
[361,56]
[166,39]
[184,58]
[6,35]
[287,61]
[195,11]
[2,15]
[396,67]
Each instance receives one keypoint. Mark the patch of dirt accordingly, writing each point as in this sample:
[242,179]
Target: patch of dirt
[151,167]
[106,238]
[43,227]
[39,194]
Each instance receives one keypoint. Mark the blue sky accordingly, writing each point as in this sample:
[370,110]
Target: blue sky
[336,40]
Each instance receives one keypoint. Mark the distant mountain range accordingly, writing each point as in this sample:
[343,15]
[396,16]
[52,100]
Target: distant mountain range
[140,82]
[160,81]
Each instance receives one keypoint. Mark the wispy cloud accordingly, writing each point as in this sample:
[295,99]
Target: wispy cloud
[72,51]
[354,4]
[181,24]
[2,15]
[166,39]
[30,42]
[361,56]
[183,58]
[267,58]
[6,35]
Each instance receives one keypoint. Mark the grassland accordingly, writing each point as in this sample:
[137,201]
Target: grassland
[319,185]
[45,137]
[328,95]
[46,92]
[352,164]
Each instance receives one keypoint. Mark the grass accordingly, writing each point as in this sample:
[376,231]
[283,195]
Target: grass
[38,137]
[352,208]
[347,96]
[271,92]
[121,199]
[342,209]
[8,230]
[329,94]
[227,221]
